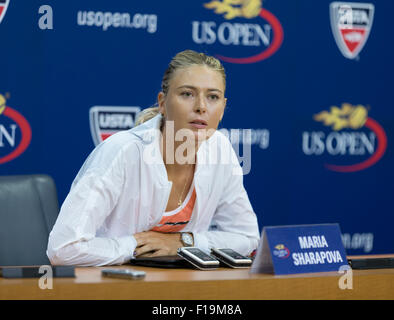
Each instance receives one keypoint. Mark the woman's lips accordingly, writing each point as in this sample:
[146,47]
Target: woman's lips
[198,125]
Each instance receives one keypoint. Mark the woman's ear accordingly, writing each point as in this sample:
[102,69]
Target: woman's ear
[160,102]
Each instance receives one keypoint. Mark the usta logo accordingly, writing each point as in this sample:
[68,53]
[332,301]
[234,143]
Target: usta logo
[107,120]
[351,24]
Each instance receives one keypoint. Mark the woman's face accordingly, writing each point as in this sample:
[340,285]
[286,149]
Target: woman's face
[195,100]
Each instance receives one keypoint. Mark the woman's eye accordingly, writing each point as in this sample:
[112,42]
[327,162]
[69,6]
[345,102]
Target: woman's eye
[186,94]
[214,97]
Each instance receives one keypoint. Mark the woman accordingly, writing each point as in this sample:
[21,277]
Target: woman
[146,192]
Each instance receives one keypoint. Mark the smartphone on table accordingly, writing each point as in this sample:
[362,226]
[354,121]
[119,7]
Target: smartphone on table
[123,273]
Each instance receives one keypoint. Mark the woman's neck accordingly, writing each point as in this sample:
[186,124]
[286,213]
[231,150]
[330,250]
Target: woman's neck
[178,155]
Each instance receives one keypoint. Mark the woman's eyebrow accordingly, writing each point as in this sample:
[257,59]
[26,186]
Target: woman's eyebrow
[194,88]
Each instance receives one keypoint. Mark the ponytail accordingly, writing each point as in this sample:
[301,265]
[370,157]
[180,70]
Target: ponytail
[146,115]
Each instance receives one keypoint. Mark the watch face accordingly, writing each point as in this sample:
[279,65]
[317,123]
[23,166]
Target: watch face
[187,239]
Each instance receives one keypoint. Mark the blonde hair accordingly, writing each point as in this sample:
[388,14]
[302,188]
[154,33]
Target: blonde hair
[182,60]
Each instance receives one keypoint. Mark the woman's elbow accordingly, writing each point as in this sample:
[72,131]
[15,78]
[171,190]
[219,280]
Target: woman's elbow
[59,255]
[54,258]
[54,255]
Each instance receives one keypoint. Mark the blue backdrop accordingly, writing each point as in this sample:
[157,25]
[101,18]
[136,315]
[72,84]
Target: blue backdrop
[311,79]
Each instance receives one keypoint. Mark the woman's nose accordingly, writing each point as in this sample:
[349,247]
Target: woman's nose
[200,105]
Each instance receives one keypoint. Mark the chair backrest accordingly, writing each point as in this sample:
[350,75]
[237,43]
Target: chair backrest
[28,210]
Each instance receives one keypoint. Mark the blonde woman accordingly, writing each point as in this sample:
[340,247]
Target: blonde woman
[148,192]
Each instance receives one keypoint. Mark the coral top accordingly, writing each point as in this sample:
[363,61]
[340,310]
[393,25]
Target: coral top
[176,220]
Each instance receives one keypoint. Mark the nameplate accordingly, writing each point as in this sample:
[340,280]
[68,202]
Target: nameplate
[300,249]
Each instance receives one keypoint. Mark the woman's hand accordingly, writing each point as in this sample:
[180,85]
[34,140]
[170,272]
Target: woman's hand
[154,244]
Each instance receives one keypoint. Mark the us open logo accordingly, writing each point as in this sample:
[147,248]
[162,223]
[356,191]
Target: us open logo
[15,132]
[107,120]
[351,24]
[355,139]
[281,251]
[256,32]
[3,8]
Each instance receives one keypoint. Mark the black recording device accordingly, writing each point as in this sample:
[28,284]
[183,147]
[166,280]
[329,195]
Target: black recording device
[371,263]
[231,258]
[198,258]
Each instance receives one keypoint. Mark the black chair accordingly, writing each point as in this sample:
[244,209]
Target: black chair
[28,210]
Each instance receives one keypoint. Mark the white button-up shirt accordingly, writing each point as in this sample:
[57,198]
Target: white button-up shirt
[123,189]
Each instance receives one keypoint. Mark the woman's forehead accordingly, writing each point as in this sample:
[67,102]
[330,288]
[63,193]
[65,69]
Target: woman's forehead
[198,76]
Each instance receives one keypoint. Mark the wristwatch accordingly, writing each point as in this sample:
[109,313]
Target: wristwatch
[187,239]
